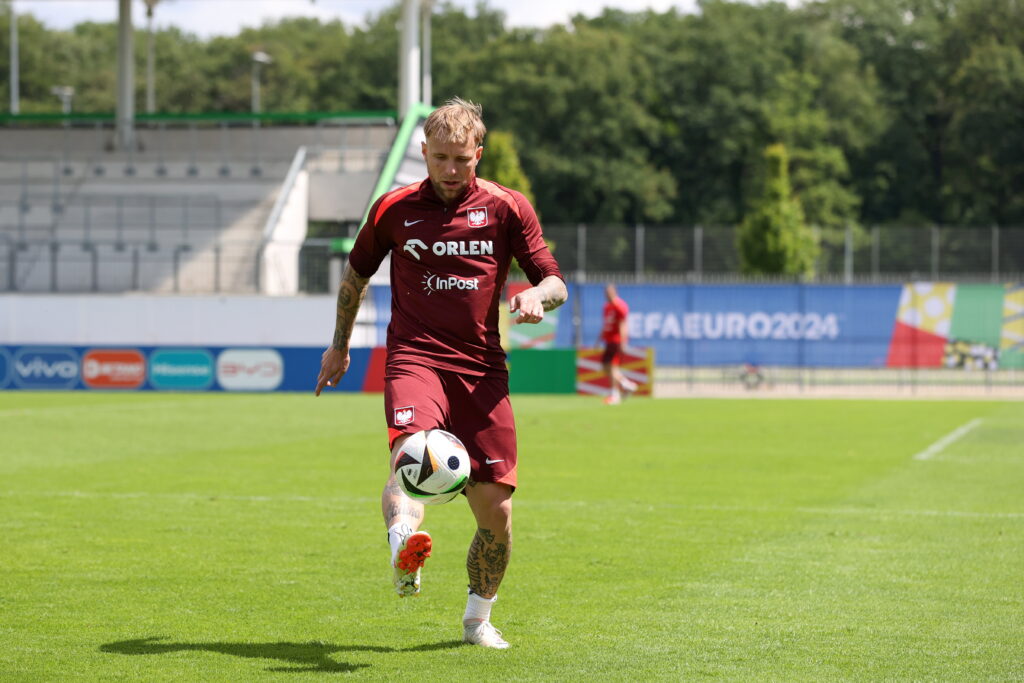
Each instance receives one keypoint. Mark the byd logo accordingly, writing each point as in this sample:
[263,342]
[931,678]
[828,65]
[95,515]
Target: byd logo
[37,368]
[250,369]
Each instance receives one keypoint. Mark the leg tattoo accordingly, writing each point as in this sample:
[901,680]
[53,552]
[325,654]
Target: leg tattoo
[395,504]
[486,563]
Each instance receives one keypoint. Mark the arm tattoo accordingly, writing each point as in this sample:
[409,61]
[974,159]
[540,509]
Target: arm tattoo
[486,563]
[350,297]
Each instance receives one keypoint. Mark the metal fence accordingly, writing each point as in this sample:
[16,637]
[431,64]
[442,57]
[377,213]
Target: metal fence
[856,254]
[665,253]
[173,233]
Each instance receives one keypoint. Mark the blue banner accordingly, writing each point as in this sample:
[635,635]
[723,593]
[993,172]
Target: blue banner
[790,325]
[148,368]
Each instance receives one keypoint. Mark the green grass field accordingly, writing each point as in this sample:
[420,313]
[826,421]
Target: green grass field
[227,537]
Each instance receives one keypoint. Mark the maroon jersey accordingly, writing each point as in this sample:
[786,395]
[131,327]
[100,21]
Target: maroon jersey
[448,268]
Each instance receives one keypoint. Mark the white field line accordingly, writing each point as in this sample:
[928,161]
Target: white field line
[940,445]
[339,500]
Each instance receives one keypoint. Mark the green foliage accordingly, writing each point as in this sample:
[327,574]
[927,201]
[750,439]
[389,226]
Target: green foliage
[891,110]
[773,238]
[500,163]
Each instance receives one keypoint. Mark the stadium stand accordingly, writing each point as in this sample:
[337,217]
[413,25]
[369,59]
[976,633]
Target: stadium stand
[195,206]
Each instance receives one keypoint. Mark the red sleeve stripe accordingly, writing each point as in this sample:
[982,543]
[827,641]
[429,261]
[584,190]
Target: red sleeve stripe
[392,197]
[499,192]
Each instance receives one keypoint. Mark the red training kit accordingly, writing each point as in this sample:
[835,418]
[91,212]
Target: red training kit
[448,267]
[614,313]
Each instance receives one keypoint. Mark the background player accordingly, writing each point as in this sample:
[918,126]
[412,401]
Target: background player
[451,239]
[615,335]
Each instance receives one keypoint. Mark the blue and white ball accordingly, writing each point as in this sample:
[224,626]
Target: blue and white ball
[432,467]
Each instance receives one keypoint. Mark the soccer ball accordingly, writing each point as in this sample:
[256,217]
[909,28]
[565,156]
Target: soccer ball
[432,467]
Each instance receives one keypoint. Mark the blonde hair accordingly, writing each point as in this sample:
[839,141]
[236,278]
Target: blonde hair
[458,121]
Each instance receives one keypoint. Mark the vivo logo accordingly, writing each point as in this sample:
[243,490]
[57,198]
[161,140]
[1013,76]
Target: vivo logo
[40,368]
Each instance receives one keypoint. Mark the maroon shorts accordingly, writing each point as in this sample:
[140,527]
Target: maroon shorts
[612,353]
[475,409]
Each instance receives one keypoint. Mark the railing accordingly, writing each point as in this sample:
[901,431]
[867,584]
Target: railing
[160,225]
[698,253]
[126,265]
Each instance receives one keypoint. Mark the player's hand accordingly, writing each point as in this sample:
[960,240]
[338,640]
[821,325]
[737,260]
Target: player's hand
[529,305]
[333,366]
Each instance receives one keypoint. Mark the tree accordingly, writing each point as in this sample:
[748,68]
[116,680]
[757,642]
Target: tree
[500,163]
[575,100]
[987,128]
[773,239]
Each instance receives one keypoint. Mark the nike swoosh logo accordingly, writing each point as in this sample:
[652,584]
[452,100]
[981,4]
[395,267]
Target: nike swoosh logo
[408,223]
[491,462]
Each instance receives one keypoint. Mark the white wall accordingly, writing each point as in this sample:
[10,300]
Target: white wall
[281,254]
[147,320]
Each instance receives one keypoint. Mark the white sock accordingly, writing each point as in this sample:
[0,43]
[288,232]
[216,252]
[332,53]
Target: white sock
[477,608]
[395,536]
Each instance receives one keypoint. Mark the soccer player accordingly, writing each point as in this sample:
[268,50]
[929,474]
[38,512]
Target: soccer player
[615,335]
[451,239]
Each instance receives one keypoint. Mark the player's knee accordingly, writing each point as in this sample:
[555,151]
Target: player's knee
[492,503]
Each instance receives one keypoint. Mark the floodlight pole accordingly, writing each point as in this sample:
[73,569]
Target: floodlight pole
[125,77]
[426,13]
[409,73]
[15,95]
[150,59]
[258,58]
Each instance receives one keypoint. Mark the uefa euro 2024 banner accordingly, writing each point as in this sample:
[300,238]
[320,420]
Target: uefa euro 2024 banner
[920,324]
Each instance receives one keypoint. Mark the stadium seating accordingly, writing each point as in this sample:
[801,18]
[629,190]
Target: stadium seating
[186,209]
